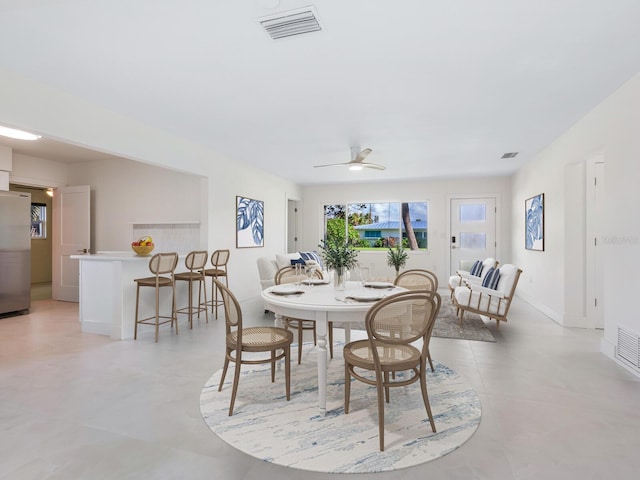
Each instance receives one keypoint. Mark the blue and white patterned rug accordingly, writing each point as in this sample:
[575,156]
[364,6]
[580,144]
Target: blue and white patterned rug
[294,434]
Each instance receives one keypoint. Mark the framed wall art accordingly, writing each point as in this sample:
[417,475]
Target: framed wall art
[534,223]
[249,222]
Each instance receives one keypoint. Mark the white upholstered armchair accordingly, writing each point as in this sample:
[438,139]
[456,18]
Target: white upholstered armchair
[485,301]
[470,276]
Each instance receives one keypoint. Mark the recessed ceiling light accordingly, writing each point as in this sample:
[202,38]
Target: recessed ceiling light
[509,155]
[19,134]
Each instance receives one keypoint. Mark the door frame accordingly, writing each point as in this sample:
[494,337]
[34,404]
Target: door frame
[293,226]
[499,235]
[594,314]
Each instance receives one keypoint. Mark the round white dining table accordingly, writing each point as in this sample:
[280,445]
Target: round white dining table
[322,303]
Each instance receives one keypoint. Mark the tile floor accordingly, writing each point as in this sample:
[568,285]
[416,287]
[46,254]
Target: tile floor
[81,406]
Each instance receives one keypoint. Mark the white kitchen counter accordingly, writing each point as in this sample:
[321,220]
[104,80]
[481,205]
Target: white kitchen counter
[108,292]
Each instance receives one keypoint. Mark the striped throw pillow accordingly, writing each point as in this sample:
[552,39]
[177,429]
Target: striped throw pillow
[315,256]
[492,278]
[476,269]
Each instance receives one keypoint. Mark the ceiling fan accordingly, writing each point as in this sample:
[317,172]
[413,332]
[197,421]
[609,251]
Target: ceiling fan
[357,161]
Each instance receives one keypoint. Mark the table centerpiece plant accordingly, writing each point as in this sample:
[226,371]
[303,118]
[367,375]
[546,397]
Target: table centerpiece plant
[397,258]
[340,256]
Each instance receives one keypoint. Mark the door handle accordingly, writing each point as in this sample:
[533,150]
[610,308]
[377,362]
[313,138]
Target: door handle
[84,250]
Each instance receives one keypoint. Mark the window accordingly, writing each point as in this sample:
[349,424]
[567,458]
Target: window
[378,226]
[38,220]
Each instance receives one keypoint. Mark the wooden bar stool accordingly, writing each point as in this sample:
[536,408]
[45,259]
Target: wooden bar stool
[195,263]
[161,264]
[219,260]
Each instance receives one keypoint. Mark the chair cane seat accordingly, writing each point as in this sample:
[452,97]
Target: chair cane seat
[151,282]
[259,339]
[400,357]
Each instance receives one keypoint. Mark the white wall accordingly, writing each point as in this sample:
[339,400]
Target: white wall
[437,192]
[124,192]
[39,108]
[609,132]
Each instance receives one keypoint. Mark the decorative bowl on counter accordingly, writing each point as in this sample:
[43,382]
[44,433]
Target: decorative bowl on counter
[143,246]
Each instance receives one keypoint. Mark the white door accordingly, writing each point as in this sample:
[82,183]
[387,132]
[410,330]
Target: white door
[473,231]
[71,236]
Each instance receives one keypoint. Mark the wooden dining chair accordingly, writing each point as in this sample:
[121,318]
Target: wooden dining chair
[418,279]
[288,275]
[239,339]
[388,357]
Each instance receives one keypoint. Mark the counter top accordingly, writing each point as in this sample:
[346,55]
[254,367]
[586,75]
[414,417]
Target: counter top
[110,256]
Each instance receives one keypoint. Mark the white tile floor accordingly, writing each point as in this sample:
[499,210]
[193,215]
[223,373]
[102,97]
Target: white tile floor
[81,406]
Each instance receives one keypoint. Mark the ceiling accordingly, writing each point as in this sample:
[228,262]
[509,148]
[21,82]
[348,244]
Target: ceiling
[436,89]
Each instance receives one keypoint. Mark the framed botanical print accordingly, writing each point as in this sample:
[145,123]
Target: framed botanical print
[534,223]
[249,222]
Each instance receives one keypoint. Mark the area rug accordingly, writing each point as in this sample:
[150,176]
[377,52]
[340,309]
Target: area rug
[295,434]
[472,328]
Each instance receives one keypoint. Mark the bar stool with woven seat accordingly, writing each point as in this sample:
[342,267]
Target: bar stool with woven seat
[195,263]
[219,259]
[161,265]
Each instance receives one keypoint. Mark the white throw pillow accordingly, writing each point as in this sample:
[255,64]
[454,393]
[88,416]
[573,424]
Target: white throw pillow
[284,259]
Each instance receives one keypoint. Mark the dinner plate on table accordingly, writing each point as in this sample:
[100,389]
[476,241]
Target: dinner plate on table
[286,290]
[316,281]
[379,285]
[364,297]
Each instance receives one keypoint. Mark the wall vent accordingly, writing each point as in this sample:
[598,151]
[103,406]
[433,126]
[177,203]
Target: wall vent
[509,155]
[292,22]
[628,347]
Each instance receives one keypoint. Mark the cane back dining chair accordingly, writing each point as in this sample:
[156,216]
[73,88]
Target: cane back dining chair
[194,262]
[388,357]
[288,275]
[239,339]
[162,266]
[219,260]
[418,279]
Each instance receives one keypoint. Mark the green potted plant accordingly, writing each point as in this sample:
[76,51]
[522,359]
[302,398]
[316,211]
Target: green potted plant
[339,256]
[397,258]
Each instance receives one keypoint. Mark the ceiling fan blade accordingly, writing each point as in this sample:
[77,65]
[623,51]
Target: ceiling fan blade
[331,165]
[361,156]
[373,165]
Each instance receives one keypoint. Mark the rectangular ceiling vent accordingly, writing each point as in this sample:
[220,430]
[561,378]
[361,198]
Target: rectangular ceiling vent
[510,155]
[628,347]
[292,22]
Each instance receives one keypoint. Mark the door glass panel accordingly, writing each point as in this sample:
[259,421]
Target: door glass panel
[473,213]
[473,240]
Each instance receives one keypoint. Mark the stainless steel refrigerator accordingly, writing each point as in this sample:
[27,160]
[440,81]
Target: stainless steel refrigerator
[15,253]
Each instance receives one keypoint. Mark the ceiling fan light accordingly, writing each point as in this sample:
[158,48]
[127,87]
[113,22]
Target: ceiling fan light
[355,168]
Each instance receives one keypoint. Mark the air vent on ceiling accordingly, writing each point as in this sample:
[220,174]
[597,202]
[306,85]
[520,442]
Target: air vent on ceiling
[291,22]
[509,155]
